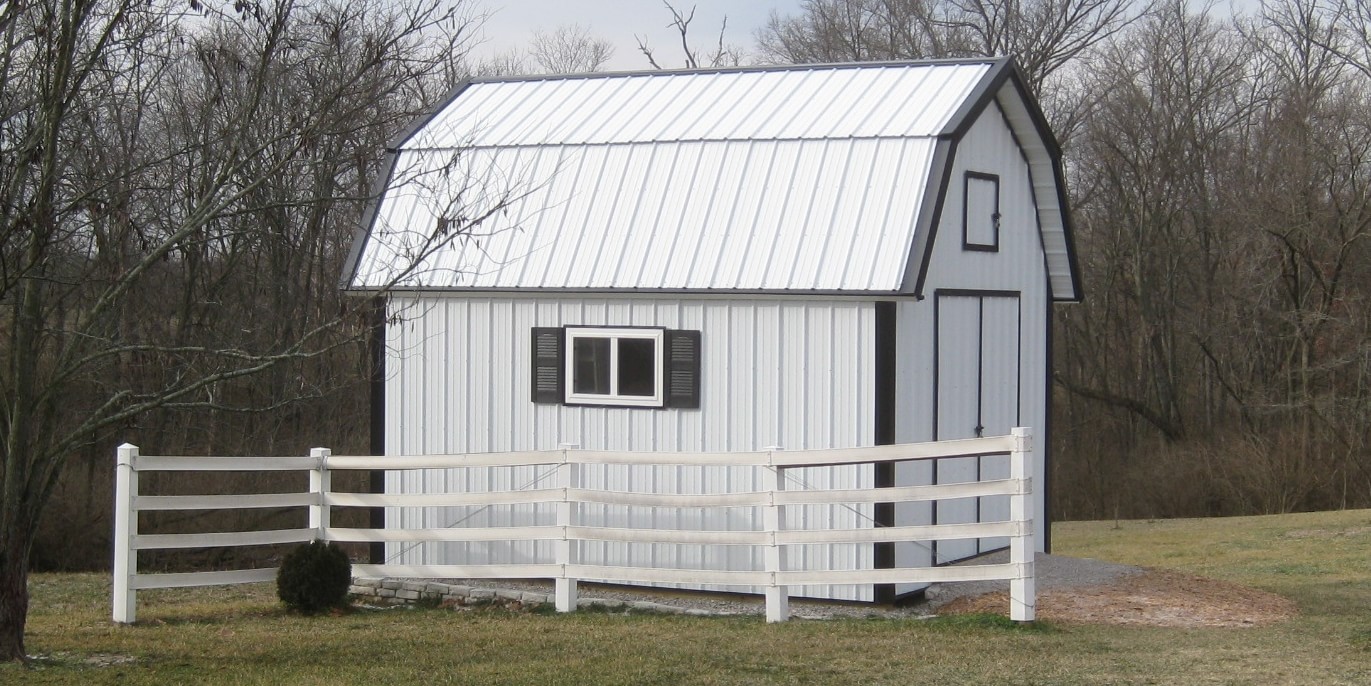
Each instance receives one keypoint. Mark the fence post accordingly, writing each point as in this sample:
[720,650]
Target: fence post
[565,591]
[1023,587]
[320,483]
[773,520]
[125,529]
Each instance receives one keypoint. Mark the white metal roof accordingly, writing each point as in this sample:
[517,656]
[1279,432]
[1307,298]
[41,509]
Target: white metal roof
[788,179]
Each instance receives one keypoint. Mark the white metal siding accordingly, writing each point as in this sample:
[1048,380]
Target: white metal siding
[791,373]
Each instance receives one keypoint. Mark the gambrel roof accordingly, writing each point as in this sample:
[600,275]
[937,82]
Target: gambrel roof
[796,179]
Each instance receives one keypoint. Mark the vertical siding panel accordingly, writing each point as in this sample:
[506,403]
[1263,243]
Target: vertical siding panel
[791,352]
[742,396]
[766,360]
[455,383]
[717,424]
[513,336]
[504,365]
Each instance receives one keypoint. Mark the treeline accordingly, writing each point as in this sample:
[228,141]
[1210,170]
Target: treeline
[179,186]
[1221,363]
[224,154]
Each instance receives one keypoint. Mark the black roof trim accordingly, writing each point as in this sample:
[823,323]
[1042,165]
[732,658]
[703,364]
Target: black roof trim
[815,66]
[719,292]
[423,120]
[926,230]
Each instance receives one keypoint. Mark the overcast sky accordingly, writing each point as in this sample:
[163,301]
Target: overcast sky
[511,22]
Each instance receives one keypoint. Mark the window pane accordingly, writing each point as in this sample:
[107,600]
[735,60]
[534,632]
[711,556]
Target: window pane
[637,366]
[591,365]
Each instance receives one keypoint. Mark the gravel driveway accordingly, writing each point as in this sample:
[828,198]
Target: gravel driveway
[1054,572]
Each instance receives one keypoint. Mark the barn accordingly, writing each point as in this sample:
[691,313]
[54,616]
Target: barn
[801,257]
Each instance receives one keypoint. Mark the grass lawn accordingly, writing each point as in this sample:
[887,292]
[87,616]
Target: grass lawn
[239,635]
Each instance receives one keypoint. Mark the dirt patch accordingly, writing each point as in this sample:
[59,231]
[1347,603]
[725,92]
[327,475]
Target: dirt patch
[1153,598]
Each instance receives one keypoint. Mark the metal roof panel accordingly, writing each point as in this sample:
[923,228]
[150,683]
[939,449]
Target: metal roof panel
[820,101]
[716,215]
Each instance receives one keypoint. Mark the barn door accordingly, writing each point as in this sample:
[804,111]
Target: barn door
[977,395]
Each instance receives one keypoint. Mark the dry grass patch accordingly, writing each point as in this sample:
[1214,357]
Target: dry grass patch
[1156,598]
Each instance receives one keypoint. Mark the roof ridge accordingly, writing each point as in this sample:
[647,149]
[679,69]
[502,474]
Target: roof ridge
[809,66]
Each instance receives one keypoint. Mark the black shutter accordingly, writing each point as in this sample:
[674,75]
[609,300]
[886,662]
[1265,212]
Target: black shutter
[548,364]
[683,369]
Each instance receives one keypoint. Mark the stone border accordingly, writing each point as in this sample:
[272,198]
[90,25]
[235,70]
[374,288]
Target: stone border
[412,592]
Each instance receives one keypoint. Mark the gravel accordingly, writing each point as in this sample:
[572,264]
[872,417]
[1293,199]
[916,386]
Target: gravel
[1054,572]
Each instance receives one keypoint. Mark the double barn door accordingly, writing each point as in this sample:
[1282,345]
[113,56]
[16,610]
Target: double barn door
[977,394]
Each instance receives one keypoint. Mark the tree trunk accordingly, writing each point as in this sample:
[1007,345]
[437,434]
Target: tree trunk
[14,594]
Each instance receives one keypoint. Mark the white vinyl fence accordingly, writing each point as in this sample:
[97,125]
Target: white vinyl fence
[567,498]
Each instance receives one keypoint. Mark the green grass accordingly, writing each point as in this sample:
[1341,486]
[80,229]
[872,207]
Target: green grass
[239,635]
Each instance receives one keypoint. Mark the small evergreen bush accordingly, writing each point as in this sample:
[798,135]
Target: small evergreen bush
[314,577]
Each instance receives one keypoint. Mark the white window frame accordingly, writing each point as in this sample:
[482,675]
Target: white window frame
[657,336]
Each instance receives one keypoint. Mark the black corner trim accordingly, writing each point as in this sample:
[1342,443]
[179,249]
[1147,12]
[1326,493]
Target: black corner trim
[883,554]
[362,234]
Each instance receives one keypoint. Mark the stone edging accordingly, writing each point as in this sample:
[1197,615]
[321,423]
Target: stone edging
[411,592]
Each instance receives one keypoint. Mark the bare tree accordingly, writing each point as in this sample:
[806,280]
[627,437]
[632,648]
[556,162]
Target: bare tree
[507,63]
[1044,35]
[860,31]
[1223,204]
[720,56]
[174,206]
[569,49]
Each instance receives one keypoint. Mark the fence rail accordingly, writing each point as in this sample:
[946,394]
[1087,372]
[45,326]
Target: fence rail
[567,496]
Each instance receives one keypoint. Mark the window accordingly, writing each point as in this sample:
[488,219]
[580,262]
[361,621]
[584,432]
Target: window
[615,366]
[981,212]
[624,367]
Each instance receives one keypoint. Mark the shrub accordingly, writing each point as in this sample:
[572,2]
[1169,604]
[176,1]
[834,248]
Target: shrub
[314,577]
